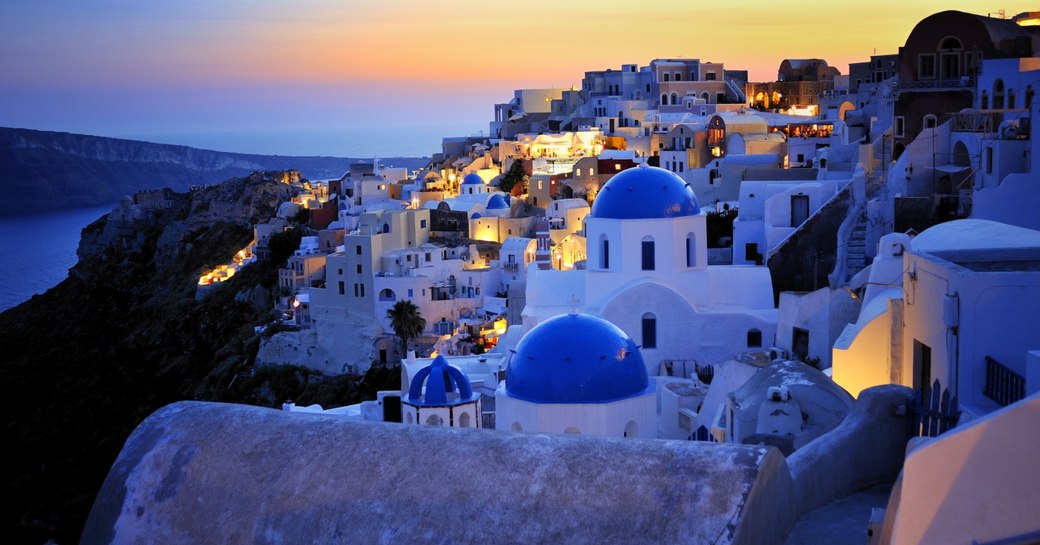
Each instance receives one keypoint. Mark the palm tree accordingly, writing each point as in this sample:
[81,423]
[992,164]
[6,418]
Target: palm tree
[406,322]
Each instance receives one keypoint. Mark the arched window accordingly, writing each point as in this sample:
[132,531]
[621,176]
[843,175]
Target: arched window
[649,325]
[664,99]
[604,254]
[950,43]
[648,253]
[704,96]
[998,94]
[929,121]
[386,227]
[387,294]
[691,250]
[754,338]
[675,98]
[464,419]
[434,420]
[631,429]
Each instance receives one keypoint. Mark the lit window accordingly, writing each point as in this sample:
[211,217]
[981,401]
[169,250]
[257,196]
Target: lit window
[617,166]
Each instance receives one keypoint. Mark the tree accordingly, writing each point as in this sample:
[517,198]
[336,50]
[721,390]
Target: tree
[406,321]
[514,175]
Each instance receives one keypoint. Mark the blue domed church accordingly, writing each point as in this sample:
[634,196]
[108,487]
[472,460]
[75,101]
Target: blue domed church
[577,374]
[647,273]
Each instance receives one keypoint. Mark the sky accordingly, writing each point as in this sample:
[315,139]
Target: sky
[363,78]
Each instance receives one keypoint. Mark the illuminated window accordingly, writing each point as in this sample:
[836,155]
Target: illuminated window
[617,166]
[578,172]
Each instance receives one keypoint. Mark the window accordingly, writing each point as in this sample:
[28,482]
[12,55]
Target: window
[356,290]
[648,254]
[422,224]
[604,256]
[359,268]
[989,160]
[341,292]
[578,172]
[900,130]
[664,99]
[929,121]
[754,338]
[359,249]
[691,250]
[428,257]
[341,272]
[649,331]
[1011,99]
[678,76]
[411,292]
[710,76]
[926,66]
[617,167]
[666,75]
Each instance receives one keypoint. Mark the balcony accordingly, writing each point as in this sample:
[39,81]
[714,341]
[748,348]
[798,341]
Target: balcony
[511,266]
[937,84]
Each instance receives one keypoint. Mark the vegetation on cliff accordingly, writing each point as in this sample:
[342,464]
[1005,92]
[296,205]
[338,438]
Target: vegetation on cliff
[124,335]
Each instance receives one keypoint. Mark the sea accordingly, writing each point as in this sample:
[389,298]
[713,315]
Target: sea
[37,250]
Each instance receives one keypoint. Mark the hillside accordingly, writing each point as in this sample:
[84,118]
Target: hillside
[85,362]
[42,170]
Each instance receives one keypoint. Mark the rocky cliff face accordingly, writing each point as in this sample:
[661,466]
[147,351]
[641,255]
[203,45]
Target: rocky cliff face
[124,335]
[42,170]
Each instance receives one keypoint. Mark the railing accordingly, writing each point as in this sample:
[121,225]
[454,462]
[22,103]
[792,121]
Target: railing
[932,411]
[511,266]
[958,83]
[1002,384]
[984,122]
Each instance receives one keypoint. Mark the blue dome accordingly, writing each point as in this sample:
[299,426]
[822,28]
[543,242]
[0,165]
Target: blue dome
[576,358]
[472,179]
[496,202]
[645,192]
[440,378]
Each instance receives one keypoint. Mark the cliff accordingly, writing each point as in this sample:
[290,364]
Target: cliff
[42,170]
[85,362]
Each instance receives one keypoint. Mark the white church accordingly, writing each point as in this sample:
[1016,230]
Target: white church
[647,272]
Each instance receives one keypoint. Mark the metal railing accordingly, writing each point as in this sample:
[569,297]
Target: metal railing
[1002,384]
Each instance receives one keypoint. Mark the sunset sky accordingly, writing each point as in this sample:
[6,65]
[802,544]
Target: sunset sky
[317,76]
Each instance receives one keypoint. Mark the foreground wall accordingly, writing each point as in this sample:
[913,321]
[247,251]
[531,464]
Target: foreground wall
[866,449]
[214,473]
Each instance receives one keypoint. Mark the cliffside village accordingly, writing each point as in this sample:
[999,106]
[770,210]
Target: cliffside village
[571,281]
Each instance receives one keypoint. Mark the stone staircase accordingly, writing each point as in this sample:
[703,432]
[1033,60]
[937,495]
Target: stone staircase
[856,256]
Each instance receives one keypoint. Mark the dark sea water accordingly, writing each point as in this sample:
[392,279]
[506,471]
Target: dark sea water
[37,251]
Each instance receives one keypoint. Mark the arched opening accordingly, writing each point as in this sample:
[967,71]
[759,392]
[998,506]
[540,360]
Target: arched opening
[664,99]
[434,420]
[998,94]
[604,253]
[950,43]
[754,338]
[572,431]
[844,109]
[516,427]
[675,98]
[961,157]
[464,420]
[929,121]
[387,294]
[648,253]
[649,330]
[631,429]
[691,250]
[386,227]
[704,96]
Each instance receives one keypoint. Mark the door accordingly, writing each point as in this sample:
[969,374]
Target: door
[799,209]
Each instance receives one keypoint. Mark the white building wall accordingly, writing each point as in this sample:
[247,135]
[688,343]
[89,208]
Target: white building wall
[638,414]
